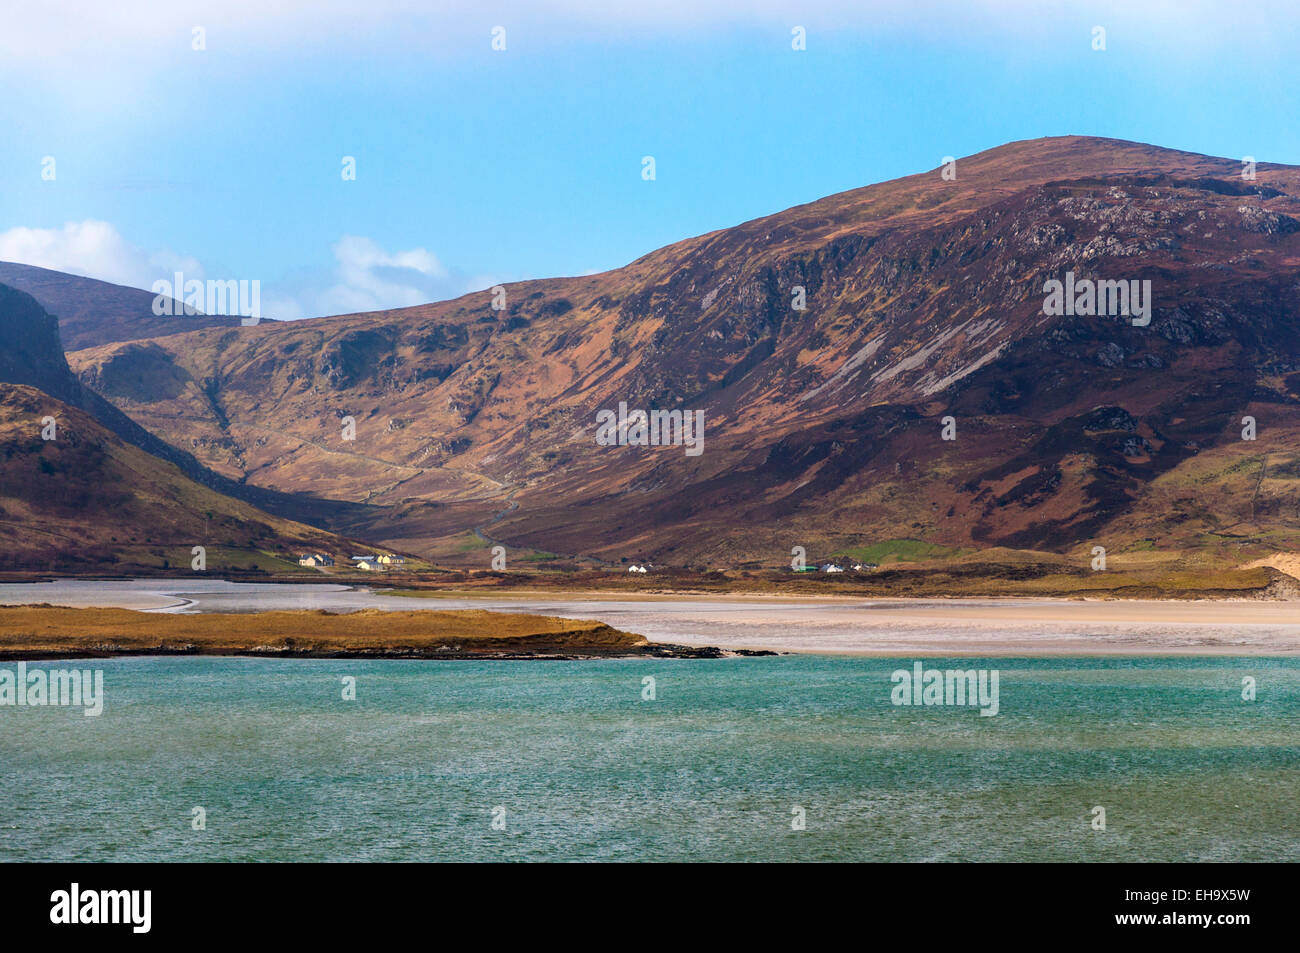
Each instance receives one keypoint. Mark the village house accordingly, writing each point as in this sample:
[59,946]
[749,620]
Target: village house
[388,559]
[315,559]
[368,563]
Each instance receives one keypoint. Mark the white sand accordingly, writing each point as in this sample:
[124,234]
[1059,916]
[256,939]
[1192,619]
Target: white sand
[961,627]
[839,625]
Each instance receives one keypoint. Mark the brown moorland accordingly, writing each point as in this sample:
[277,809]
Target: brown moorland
[88,501]
[924,300]
[45,632]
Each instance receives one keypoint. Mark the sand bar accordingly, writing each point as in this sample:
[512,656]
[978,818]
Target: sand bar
[841,625]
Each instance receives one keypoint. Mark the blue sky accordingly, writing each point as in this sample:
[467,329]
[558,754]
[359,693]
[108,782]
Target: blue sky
[476,166]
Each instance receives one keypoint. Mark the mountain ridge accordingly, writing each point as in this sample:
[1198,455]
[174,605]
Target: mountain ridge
[127,484]
[924,301]
[91,311]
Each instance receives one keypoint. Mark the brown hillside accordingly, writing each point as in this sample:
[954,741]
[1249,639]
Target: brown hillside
[924,300]
[87,500]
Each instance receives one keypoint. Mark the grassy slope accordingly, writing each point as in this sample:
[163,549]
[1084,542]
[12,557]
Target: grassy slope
[89,500]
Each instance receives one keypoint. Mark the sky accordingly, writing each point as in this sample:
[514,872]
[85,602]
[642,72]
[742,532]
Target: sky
[476,165]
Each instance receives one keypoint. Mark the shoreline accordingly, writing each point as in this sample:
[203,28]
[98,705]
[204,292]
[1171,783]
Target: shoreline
[343,622]
[667,651]
[655,650]
[597,595]
[45,633]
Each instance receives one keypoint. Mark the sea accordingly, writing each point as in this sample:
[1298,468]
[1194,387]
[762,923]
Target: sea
[788,758]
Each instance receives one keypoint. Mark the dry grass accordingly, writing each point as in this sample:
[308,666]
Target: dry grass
[51,632]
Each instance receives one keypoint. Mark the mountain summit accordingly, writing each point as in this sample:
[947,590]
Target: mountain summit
[833,349]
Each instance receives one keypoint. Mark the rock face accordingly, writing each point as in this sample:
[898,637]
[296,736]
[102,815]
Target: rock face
[92,489]
[32,352]
[923,299]
[93,312]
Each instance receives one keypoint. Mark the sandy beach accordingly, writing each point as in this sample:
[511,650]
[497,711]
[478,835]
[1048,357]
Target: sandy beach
[842,626]
[1030,627]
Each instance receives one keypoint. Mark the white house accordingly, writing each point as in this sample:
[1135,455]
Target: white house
[315,559]
[370,565]
[388,559]
[831,567]
[635,568]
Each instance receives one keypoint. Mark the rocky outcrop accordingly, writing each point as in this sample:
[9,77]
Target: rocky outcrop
[92,312]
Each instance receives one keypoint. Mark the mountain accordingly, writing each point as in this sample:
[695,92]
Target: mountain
[31,353]
[88,500]
[101,491]
[92,312]
[925,300]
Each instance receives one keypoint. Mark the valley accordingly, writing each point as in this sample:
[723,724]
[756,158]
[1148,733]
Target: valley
[831,348]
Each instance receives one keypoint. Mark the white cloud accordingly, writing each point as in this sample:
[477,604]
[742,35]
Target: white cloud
[367,277]
[96,250]
[363,277]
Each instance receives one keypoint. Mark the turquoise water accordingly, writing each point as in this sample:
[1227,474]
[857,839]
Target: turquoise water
[709,770]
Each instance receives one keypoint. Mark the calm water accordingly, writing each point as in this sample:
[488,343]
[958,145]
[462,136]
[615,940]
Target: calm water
[709,770]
